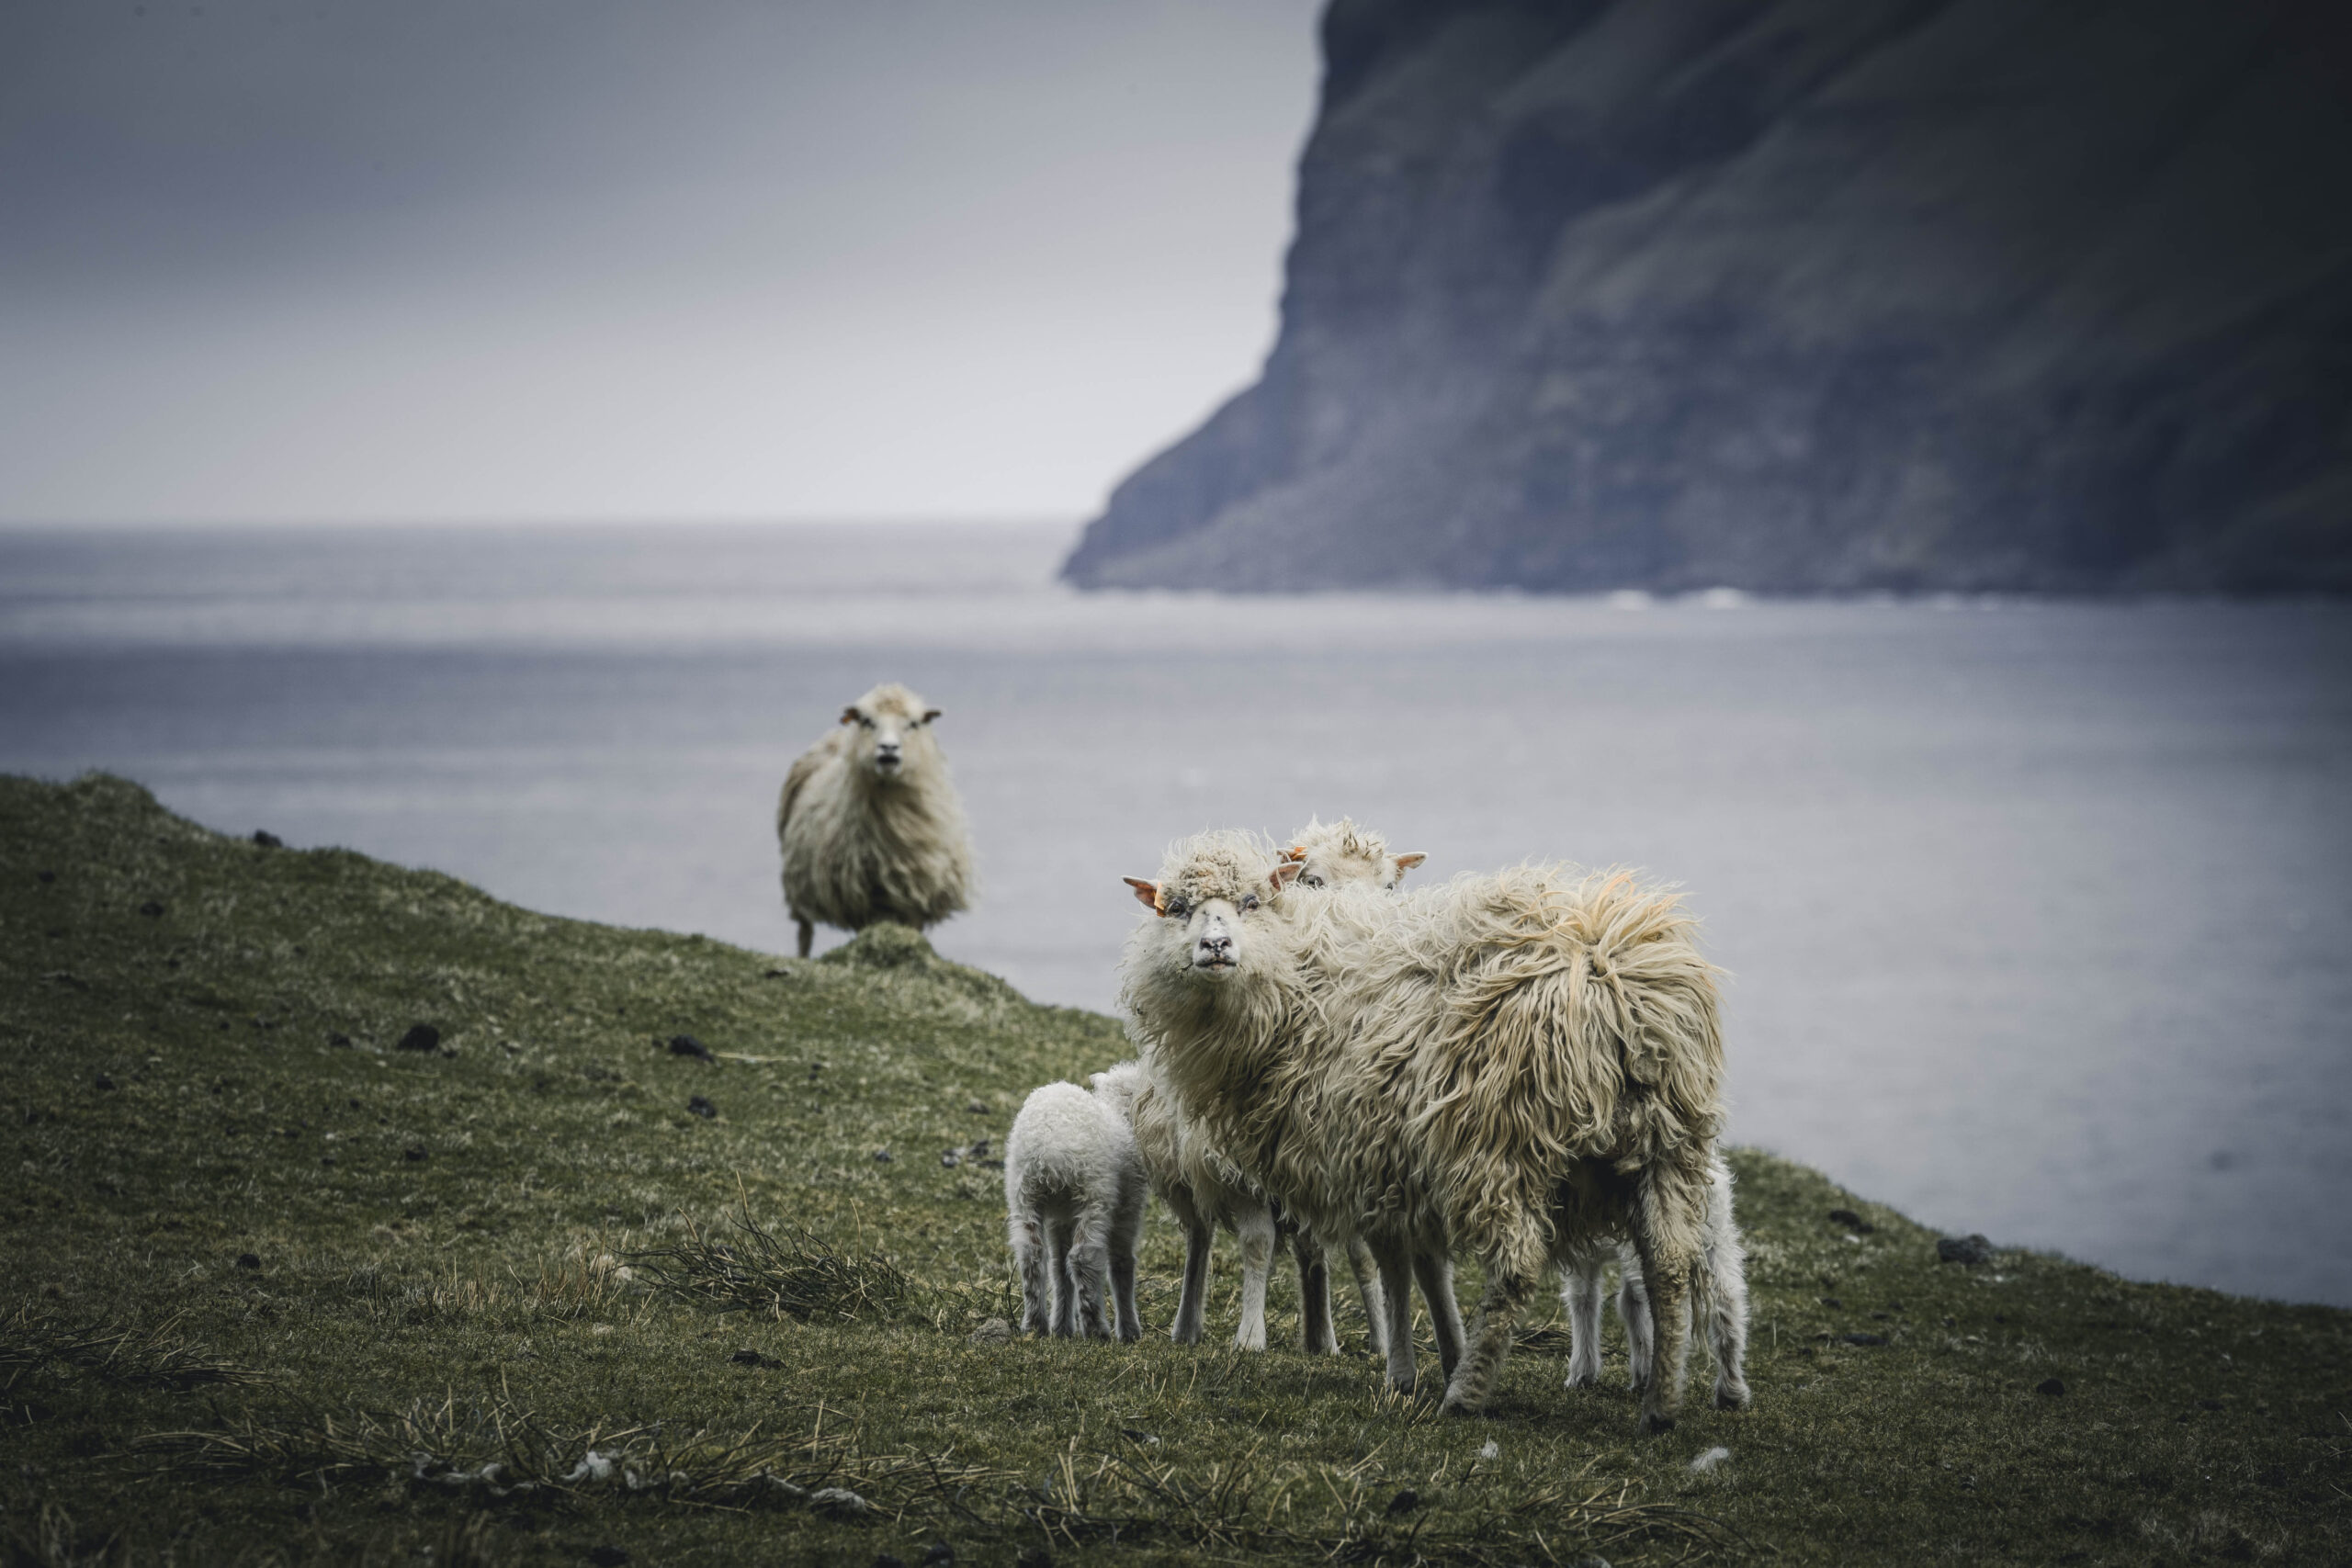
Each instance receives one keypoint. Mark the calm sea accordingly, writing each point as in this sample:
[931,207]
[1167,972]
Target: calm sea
[2037,914]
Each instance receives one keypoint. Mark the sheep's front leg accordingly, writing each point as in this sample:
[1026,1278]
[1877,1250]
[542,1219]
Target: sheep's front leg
[1580,1293]
[1255,1226]
[1633,1310]
[1397,1298]
[1036,1278]
[1192,1302]
[1316,1329]
[808,937]
[1435,1272]
[1376,1298]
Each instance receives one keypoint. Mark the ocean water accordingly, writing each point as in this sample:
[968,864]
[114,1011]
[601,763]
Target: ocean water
[2035,913]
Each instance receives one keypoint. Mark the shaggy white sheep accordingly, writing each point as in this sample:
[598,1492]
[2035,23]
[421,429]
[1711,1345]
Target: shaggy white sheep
[1722,1298]
[870,824]
[1526,1065]
[1074,1194]
[1205,1193]
[1337,854]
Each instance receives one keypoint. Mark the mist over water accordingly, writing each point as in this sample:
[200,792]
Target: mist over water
[2035,913]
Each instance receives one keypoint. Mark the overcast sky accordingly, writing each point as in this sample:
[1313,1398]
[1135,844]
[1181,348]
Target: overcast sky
[551,259]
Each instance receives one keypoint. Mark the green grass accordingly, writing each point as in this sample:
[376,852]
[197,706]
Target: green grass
[273,1288]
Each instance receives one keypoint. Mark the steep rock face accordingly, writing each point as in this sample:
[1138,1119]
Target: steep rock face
[1813,295]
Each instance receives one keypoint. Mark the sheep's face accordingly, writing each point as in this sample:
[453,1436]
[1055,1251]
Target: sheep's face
[1343,853]
[888,724]
[1207,905]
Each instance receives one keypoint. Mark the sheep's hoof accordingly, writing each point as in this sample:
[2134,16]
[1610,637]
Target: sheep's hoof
[1656,1421]
[1582,1380]
[1731,1398]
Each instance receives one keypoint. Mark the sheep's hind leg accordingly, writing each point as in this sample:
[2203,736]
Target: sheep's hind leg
[1057,1250]
[1666,1275]
[1089,1273]
[1396,1302]
[1316,1332]
[1580,1293]
[1633,1310]
[1255,1226]
[1435,1272]
[808,937]
[1724,1298]
[1037,1280]
[1376,1298]
[1507,1293]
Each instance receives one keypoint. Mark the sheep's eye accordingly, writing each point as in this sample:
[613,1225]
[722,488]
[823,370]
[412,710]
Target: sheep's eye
[1312,881]
[1248,902]
[865,722]
[1178,908]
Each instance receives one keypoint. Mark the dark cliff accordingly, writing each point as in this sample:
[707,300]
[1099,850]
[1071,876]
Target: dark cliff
[1812,296]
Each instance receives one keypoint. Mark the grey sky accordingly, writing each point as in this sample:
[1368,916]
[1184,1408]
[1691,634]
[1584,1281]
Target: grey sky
[562,258]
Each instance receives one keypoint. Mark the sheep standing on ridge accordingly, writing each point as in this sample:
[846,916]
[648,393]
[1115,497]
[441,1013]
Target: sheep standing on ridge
[870,824]
[1526,1065]
[1722,1298]
[1074,1194]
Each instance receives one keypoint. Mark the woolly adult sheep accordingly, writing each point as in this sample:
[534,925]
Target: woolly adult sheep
[1722,1298]
[1525,1065]
[870,824]
[1205,1193]
[1074,1194]
[1337,855]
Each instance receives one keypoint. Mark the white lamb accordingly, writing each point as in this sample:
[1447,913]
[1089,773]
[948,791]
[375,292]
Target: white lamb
[1527,1066]
[1074,1194]
[870,824]
[1721,1296]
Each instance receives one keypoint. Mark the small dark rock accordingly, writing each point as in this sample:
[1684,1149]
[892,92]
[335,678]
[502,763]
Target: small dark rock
[976,1108]
[248,1260]
[420,1037]
[152,910]
[952,1158]
[607,1556]
[1405,1502]
[1832,1302]
[687,1045]
[414,1153]
[750,1358]
[1852,1221]
[883,1157]
[2052,1387]
[979,1149]
[699,1106]
[105,1082]
[995,1331]
[44,877]
[1863,1338]
[1969,1249]
[888,1560]
[266,840]
[938,1554]
[340,1040]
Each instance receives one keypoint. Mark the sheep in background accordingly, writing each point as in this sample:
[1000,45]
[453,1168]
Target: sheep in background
[1722,1298]
[870,824]
[1338,853]
[1526,1065]
[1205,1192]
[1074,1194]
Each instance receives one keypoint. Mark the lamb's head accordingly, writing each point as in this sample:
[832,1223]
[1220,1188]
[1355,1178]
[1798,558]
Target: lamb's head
[1212,891]
[1338,853]
[892,731]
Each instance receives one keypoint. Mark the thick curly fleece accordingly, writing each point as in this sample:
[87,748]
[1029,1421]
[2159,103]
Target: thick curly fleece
[1521,1065]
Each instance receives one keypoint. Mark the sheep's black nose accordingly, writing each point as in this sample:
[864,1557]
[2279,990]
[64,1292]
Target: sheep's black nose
[1217,943]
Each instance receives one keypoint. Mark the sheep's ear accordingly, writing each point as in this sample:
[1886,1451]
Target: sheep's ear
[1296,851]
[849,713]
[1146,893]
[1283,871]
[930,714]
[1407,863]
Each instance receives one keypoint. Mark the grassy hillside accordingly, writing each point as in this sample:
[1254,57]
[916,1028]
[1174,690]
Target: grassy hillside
[283,1279]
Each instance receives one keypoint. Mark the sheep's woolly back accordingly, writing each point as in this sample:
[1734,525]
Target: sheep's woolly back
[1443,1063]
[1069,1149]
[859,848]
